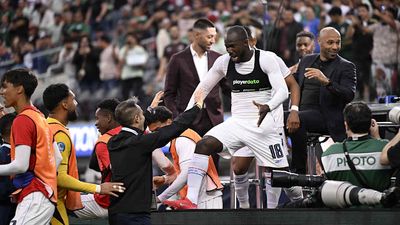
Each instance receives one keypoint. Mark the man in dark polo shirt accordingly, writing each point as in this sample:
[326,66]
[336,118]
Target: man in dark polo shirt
[328,83]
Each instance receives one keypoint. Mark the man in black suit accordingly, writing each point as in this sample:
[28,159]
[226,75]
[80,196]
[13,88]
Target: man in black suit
[328,83]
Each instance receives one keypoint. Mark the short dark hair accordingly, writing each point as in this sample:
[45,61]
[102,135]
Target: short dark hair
[335,11]
[68,39]
[358,117]
[133,34]
[109,105]
[305,34]
[392,10]
[24,77]
[126,110]
[174,24]
[238,31]
[54,94]
[105,38]
[363,5]
[203,24]
[5,124]
[248,31]
[159,114]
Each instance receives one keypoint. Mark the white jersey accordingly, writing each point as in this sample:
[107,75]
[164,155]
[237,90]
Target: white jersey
[242,102]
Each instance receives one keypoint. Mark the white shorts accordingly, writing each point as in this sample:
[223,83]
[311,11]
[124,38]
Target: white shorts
[246,152]
[90,208]
[35,208]
[265,141]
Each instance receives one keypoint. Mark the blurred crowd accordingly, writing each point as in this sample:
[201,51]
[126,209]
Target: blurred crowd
[121,48]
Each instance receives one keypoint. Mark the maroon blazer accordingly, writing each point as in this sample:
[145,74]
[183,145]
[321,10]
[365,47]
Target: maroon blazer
[180,83]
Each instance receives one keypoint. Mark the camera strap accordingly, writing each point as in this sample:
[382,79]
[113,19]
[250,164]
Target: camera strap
[359,176]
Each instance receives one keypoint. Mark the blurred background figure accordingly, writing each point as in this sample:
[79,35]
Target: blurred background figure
[362,45]
[132,59]
[109,71]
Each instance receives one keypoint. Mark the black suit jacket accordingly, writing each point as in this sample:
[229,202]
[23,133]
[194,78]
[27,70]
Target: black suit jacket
[333,98]
[181,81]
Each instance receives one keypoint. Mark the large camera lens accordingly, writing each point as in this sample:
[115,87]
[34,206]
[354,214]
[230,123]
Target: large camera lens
[339,194]
[394,115]
[287,179]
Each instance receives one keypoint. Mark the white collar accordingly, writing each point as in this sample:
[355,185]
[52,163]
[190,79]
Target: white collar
[6,145]
[127,129]
[194,53]
[356,136]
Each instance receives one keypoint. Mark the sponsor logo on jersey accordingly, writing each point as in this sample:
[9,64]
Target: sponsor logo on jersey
[244,82]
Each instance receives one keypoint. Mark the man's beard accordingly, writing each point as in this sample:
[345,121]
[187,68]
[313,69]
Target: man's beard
[72,116]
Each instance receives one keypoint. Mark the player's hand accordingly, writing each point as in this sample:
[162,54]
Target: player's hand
[157,99]
[262,111]
[158,181]
[293,69]
[312,73]
[293,121]
[374,129]
[199,98]
[111,188]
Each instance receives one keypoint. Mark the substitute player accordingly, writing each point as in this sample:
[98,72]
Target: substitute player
[182,150]
[60,102]
[34,158]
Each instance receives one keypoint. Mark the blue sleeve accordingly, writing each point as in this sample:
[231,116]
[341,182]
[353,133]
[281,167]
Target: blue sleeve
[5,156]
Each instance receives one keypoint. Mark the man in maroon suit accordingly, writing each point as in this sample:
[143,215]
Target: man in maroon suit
[186,69]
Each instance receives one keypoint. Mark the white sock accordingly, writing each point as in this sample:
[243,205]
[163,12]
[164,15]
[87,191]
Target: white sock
[273,193]
[242,190]
[196,173]
[294,193]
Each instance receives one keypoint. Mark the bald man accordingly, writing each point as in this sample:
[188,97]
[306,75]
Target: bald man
[258,90]
[328,83]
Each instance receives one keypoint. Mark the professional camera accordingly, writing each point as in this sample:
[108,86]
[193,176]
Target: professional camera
[334,194]
[394,115]
[286,179]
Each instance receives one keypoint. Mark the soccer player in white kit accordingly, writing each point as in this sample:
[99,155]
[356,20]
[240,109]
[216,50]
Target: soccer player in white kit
[243,157]
[258,90]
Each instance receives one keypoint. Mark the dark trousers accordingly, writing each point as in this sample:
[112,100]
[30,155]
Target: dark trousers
[364,77]
[7,212]
[129,219]
[311,120]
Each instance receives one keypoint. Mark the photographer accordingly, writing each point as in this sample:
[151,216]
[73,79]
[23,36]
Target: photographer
[360,150]
[391,152]
[355,172]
